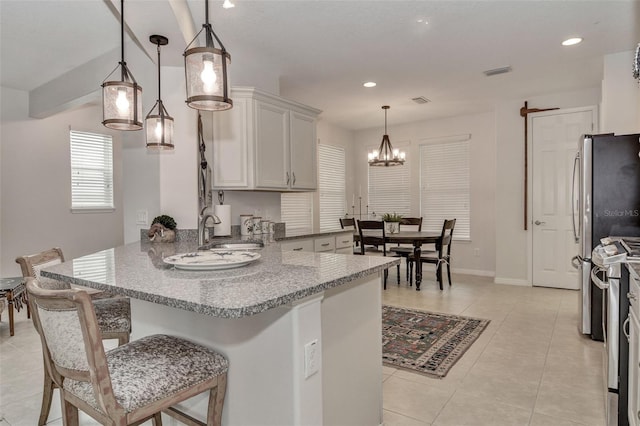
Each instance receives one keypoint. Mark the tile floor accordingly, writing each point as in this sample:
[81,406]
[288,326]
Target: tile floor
[529,367]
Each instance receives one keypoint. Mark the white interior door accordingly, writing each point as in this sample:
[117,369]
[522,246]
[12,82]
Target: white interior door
[554,137]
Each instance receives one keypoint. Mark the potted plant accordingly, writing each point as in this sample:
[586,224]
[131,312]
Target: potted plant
[162,230]
[392,222]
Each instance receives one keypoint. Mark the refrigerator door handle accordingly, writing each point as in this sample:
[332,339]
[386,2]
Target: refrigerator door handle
[576,261]
[576,231]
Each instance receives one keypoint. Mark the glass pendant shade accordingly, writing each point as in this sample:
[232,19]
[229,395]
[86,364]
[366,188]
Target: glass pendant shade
[386,155]
[158,123]
[159,128]
[122,99]
[206,72]
[121,105]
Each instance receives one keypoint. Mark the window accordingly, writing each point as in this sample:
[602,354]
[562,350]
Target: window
[445,187]
[389,190]
[296,210]
[91,171]
[331,186]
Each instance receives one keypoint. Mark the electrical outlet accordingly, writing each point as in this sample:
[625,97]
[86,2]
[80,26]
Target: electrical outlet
[476,252]
[311,358]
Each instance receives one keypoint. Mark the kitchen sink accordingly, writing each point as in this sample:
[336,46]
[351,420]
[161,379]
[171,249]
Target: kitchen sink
[237,246]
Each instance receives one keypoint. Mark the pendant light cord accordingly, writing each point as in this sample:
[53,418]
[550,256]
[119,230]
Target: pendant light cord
[159,96]
[122,40]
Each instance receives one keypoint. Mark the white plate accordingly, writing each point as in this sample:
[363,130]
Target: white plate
[211,261]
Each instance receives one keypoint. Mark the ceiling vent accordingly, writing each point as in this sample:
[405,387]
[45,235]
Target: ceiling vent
[497,71]
[420,100]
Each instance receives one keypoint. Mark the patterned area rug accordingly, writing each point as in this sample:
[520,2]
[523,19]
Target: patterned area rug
[426,342]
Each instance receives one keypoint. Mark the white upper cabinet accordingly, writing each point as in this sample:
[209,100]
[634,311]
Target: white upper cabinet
[264,142]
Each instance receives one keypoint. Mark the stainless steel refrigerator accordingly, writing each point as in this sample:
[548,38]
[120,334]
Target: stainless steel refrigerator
[606,202]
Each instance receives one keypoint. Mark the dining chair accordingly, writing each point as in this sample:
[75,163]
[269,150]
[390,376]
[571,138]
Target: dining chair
[113,313]
[129,384]
[350,223]
[404,250]
[372,233]
[439,257]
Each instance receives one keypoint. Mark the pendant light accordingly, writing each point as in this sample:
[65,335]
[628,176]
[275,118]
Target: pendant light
[386,155]
[122,100]
[206,71]
[159,123]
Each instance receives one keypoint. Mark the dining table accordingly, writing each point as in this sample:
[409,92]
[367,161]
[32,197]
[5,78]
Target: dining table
[417,239]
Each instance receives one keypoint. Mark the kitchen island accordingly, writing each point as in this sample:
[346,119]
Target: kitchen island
[302,331]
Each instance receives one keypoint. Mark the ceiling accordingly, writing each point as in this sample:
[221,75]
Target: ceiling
[323,51]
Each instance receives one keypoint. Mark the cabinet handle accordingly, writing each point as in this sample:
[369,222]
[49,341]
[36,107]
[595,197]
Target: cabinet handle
[325,244]
[345,241]
[288,178]
[297,249]
[625,328]
[294,178]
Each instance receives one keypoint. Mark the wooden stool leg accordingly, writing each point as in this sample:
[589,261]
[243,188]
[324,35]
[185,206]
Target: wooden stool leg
[47,396]
[216,402]
[69,412]
[398,274]
[157,419]
[449,273]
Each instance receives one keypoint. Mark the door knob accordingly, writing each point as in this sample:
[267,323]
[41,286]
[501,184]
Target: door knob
[537,222]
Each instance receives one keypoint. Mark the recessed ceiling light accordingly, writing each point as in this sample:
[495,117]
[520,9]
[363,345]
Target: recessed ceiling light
[369,84]
[423,21]
[571,41]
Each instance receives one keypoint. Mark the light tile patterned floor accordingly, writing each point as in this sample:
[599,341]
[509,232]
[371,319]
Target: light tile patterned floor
[529,367]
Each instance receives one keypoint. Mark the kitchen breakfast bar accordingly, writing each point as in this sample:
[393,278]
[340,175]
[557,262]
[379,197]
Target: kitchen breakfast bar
[301,330]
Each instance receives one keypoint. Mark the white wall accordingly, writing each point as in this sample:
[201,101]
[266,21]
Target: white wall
[620,95]
[483,175]
[36,188]
[511,238]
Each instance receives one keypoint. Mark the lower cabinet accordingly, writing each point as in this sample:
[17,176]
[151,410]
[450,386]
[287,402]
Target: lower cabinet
[341,244]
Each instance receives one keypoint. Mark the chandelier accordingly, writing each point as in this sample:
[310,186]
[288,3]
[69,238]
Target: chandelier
[386,155]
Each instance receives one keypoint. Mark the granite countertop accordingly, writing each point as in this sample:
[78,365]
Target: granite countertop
[136,270]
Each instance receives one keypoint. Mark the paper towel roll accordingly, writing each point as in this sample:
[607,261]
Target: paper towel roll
[223,211]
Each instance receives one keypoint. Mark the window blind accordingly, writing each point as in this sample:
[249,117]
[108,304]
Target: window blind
[296,210]
[331,186]
[91,171]
[390,190]
[445,186]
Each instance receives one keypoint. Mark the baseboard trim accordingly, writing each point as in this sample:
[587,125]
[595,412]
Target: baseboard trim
[512,281]
[477,272]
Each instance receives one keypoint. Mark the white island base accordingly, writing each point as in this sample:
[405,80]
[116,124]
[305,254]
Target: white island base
[267,383]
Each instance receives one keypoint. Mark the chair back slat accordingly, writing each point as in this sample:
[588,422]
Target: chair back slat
[411,224]
[446,235]
[32,264]
[347,223]
[371,233]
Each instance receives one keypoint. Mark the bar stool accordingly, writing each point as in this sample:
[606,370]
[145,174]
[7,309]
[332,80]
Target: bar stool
[113,313]
[127,385]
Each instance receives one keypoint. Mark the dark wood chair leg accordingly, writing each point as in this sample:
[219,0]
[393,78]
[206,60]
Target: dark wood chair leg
[439,275]
[449,273]
[386,273]
[10,309]
[398,274]
[156,420]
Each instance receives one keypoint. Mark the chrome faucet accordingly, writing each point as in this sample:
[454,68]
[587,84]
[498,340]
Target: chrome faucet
[205,215]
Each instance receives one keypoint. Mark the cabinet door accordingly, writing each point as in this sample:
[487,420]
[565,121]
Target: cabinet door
[303,152]
[298,245]
[272,146]
[232,129]
[634,369]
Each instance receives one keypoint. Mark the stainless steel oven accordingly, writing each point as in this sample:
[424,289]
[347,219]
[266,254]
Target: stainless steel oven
[605,274]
